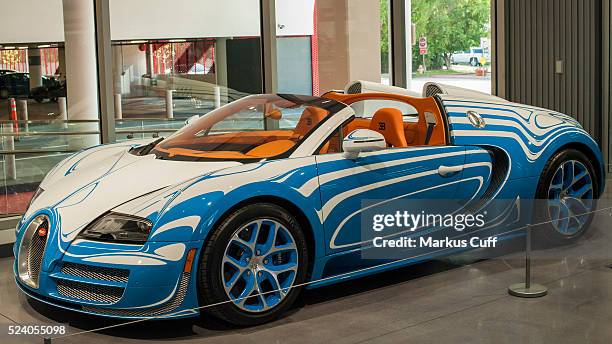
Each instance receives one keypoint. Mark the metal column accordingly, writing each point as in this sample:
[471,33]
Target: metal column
[104,59]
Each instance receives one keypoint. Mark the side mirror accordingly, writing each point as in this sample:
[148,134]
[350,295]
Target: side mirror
[362,140]
[191,119]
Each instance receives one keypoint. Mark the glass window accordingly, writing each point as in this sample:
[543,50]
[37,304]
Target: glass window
[256,127]
[324,45]
[463,27]
[367,108]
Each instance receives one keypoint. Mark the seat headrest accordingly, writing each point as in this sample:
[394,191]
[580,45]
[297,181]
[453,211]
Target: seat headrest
[390,123]
[311,116]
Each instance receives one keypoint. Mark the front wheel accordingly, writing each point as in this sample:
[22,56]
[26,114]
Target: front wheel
[251,262]
[566,196]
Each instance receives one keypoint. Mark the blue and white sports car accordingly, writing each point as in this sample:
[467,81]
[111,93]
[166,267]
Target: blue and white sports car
[246,205]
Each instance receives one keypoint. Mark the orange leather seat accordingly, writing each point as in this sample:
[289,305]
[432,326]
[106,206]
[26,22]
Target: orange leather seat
[390,123]
[416,133]
[311,116]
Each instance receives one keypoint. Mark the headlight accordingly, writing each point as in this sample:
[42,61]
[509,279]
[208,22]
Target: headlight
[119,228]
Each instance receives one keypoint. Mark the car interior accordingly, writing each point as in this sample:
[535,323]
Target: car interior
[247,144]
[423,126]
[404,122]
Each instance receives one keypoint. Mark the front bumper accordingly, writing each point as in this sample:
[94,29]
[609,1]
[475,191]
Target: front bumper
[121,281]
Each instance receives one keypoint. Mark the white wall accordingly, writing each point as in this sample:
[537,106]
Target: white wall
[23,21]
[296,16]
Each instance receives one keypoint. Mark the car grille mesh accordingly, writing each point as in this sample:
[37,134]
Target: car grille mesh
[89,292]
[433,90]
[96,272]
[164,308]
[36,250]
[354,88]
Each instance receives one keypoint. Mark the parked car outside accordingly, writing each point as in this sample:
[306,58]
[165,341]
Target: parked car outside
[472,56]
[52,90]
[7,71]
[18,84]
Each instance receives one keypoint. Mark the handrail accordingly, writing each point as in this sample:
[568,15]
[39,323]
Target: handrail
[163,119]
[144,131]
[36,151]
[48,133]
[33,121]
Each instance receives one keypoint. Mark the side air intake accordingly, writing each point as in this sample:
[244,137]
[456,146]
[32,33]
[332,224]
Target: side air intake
[433,88]
[360,86]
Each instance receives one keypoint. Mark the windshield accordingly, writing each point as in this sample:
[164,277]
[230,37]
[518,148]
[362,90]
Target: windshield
[253,128]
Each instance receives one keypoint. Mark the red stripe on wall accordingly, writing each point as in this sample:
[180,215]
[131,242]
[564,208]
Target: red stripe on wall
[314,49]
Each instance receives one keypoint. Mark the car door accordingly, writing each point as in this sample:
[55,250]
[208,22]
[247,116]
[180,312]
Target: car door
[377,178]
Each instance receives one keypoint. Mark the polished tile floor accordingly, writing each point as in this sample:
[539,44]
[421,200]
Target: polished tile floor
[459,300]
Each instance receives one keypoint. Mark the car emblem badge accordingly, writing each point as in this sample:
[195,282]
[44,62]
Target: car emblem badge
[42,231]
[476,120]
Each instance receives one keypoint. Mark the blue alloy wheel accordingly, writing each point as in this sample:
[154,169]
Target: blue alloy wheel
[570,197]
[259,265]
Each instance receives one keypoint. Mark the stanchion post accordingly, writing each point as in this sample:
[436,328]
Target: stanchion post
[23,105]
[9,159]
[13,111]
[63,111]
[527,289]
[118,107]
[217,97]
[169,104]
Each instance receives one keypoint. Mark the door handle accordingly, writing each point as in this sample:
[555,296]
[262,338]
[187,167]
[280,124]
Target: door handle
[446,171]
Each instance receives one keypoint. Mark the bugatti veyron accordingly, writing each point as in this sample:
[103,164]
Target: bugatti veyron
[245,206]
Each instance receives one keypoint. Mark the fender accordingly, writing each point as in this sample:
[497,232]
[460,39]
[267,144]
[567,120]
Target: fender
[528,135]
[207,199]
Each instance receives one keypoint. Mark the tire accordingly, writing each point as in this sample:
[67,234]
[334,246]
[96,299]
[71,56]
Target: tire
[232,238]
[474,62]
[557,228]
[39,99]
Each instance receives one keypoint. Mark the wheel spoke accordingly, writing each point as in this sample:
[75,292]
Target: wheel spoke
[270,239]
[281,248]
[237,264]
[580,193]
[248,289]
[238,241]
[291,266]
[578,206]
[580,175]
[568,174]
[564,217]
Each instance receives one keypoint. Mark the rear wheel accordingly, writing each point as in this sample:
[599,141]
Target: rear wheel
[252,260]
[474,62]
[569,186]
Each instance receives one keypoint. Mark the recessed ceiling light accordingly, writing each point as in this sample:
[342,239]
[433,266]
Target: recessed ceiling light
[44,46]
[9,48]
[176,40]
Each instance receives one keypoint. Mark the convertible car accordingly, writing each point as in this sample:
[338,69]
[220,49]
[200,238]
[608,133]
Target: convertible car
[243,207]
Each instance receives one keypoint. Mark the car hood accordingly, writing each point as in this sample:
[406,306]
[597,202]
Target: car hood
[94,182]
